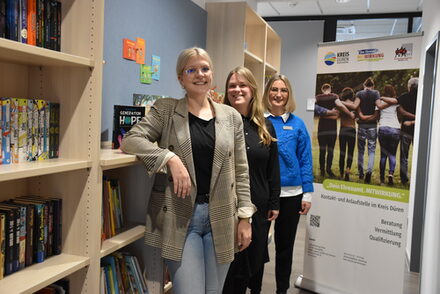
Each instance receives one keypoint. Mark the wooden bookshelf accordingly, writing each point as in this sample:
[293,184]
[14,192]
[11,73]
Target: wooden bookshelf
[238,36]
[40,275]
[121,240]
[72,78]
[111,159]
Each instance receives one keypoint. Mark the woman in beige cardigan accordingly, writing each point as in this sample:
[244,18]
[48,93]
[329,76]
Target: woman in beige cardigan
[193,209]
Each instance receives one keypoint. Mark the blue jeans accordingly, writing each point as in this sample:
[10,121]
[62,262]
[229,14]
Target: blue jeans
[365,134]
[389,140]
[198,272]
[405,142]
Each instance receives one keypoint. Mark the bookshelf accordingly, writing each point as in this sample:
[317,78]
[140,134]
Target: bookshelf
[238,36]
[73,78]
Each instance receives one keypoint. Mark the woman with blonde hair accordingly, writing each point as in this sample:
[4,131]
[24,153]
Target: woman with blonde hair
[193,208]
[247,269]
[295,158]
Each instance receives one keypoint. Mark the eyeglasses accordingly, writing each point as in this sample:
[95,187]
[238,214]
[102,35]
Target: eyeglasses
[283,90]
[194,70]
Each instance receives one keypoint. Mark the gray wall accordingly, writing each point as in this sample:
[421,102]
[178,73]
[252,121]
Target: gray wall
[298,60]
[168,26]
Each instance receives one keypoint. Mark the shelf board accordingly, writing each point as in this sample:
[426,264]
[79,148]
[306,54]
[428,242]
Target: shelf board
[16,52]
[37,276]
[39,168]
[121,240]
[113,158]
[249,56]
[270,68]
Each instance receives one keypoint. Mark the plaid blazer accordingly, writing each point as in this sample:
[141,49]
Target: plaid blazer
[168,216]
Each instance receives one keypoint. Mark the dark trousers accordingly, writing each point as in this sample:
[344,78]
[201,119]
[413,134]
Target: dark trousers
[326,141]
[388,140]
[347,140]
[285,233]
[405,142]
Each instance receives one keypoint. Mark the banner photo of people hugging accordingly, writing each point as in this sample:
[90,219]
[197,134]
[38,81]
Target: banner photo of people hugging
[364,126]
[362,144]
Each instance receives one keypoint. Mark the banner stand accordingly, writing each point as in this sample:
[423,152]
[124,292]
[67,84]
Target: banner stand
[315,287]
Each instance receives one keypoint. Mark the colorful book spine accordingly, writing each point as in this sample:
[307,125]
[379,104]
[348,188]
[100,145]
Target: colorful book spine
[43,128]
[54,129]
[2,242]
[32,22]
[12,17]
[23,22]
[40,23]
[32,130]
[6,130]
[22,130]
[9,240]
[14,130]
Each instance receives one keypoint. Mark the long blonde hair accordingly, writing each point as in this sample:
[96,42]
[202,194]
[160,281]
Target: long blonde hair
[257,112]
[290,104]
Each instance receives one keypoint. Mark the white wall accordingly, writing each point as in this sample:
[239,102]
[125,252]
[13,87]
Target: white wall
[298,60]
[430,260]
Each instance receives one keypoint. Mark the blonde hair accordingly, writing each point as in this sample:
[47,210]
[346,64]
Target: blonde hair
[255,104]
[187,54]
[290,104]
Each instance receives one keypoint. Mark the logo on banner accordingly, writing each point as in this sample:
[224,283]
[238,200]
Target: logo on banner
[330,58]
[404,53]
[370,55]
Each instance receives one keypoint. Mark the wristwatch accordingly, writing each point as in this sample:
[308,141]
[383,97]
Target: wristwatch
[248,219]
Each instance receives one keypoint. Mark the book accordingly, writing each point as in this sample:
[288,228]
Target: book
[32,22]
[40,23]
[145,74]
[2,18]
[2,244]
[32,133]
[146,100]
[124,117]
[12,19]
[128,49]
[6,130]
[155,65]
[14,129]
[14,236]
[30,218]
[21,232]
[140,51]
[22,130]
[23,22]
[43,130]
[54,129]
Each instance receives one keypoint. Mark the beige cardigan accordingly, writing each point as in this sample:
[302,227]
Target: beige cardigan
[168,216]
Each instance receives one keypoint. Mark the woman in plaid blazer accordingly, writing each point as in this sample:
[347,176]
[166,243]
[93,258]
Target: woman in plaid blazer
[196,204]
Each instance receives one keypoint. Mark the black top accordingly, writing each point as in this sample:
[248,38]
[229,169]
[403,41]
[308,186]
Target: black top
[408,101]
[264,170]
[368,106]
[327,101]
[203,142]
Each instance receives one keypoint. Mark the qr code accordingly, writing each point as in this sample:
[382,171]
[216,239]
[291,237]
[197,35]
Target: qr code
[315,220]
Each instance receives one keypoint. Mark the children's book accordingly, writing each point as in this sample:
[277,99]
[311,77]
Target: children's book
[22,130]
[14,130]
[145,77]
[146,100]
[124,117]
[140,51]
[6,130]
[32,22]
[155,64]
[128,49]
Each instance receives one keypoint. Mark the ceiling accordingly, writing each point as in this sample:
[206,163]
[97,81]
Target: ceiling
[331,7]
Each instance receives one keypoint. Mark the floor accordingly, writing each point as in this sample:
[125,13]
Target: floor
[411,279]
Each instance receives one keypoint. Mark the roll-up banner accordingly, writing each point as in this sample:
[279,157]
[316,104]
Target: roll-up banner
[362,151]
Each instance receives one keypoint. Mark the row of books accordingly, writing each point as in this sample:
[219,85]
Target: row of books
[34,22]
[112,217]
[30,130]
[59,287]
[121,273]
[30,229]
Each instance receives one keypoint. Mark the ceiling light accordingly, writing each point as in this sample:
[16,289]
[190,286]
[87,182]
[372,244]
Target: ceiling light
[293,3]
[342,1]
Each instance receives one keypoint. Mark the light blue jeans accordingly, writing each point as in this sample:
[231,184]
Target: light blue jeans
[370,135]
[198,272]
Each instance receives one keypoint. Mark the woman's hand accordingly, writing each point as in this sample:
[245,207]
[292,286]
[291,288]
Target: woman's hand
[181,178]
[244,234]
[272,215]
[305,207]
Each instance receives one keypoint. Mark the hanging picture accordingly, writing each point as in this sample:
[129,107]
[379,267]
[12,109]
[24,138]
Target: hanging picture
[155,64]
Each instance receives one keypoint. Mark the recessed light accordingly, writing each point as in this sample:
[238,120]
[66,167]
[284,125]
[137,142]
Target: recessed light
[342,1]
